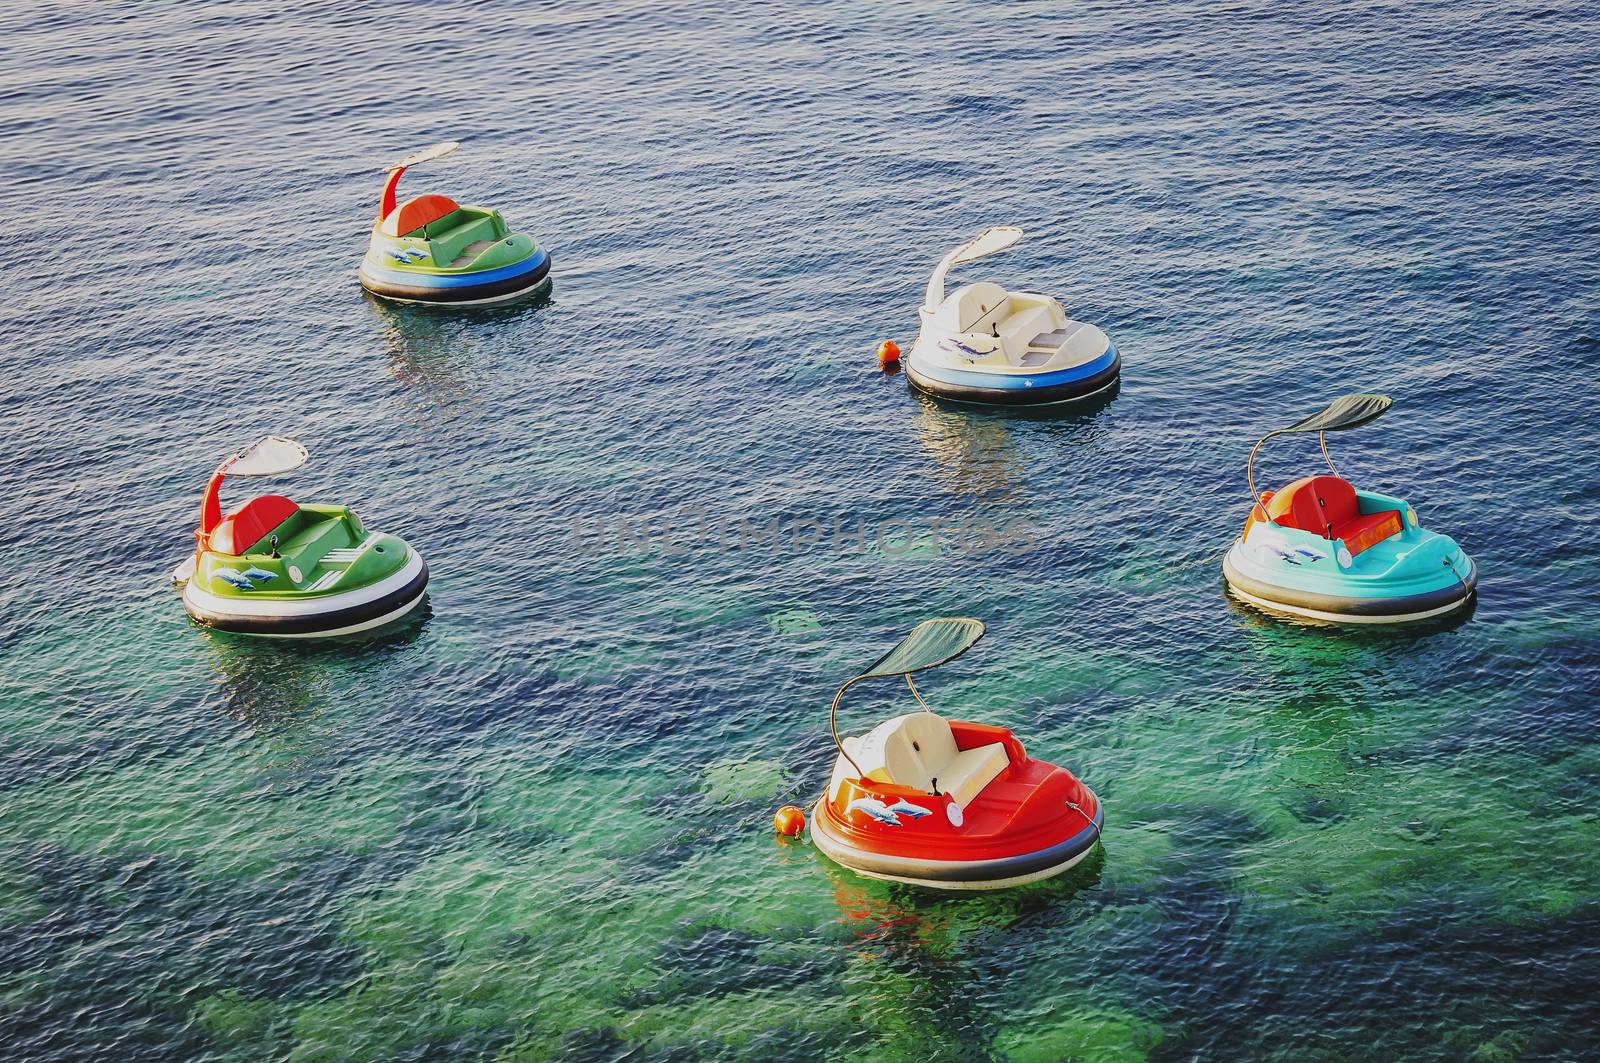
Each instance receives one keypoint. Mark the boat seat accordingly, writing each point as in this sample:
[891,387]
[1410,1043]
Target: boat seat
[1027,322]
[1051,340]
[246,526]
[466,227]
[979,306]
[310,544]
[1369,529]
[918,750]
[1327,506]
[1019,328]
[470,252]
[416,212]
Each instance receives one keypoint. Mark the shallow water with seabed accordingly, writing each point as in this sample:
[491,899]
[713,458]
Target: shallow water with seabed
[534,822]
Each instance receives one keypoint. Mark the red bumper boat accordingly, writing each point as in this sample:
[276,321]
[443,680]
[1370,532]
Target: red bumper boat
[943,803]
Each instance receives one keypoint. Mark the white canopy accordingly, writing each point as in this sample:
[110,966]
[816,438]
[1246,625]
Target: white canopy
[272,456]
[438,151]
[991,241]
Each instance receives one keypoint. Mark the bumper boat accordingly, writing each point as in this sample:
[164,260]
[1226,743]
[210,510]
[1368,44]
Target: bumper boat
[985,345]
[275,567]
[430,249]
[944,803]
[1321,549]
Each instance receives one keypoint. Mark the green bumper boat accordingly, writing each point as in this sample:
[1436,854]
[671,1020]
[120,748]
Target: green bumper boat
[431,249]
[276,567]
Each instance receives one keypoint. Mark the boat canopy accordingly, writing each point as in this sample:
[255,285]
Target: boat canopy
[386,202]
[1346,411]
[272,456]
[1343,413]
[930,644]
[989,242]
[438,151]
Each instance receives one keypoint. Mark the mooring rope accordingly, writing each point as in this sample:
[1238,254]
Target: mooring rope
[1079,810]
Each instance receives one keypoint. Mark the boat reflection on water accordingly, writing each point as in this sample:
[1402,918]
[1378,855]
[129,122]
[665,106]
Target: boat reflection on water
[270,684]
[921,964]
[974,457]
[976,449]
[901,917]
[430,347]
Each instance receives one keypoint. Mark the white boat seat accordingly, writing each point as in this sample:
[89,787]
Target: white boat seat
[970,771]
[918,750]
[977,307]
[1023,324]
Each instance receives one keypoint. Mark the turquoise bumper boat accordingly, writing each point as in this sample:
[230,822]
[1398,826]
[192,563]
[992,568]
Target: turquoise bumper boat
[1321,549]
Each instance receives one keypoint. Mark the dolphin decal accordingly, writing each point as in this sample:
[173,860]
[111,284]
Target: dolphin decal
[906,808]
[956,346]
[874,808]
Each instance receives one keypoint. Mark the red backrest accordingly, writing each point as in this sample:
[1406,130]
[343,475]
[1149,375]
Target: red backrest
[1313,503]
[416,212]
[249,524]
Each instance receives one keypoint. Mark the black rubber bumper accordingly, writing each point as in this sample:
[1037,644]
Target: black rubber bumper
[961,871]
[1067,392]
[466,293]
[307,624]
[1405,605]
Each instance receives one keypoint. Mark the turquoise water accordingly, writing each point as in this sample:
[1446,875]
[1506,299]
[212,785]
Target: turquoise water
[535,822]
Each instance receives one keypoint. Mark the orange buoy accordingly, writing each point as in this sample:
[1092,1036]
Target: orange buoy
[888,353]
[789,821]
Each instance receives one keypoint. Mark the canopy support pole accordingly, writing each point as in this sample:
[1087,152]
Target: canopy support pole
[211,505]
[386,204]
[935,293]
[1322,438]
[1250,477]
[833,725]
[917,693]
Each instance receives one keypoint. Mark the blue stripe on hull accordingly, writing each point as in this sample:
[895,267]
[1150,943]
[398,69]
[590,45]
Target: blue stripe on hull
[1019,381]
[456,280]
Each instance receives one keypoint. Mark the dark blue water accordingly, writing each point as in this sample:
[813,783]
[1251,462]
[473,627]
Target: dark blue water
[533,824]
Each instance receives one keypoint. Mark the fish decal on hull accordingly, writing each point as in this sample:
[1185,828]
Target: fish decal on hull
[1267,543]
[874,808]
[906,808]
[888,815]
[957,347]
[234,578]
[259,574]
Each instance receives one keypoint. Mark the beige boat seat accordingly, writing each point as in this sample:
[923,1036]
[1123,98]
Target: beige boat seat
[978,308]
[918,750]
[1025,323]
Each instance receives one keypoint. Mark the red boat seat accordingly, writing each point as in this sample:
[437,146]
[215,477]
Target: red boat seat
[416,212]
[250,523]
[918,750]
[1327,506]
[1369,529]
